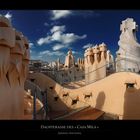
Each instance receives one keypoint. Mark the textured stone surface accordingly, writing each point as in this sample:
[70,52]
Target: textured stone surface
[13,70]
[129,49]
[97,60]
[109,95]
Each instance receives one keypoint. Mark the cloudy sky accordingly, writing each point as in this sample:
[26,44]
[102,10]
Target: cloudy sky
[52,33]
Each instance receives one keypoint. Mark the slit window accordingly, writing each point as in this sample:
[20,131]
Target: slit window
[18,38]
[32,80]
[51,87]
[65,94]
[130,85]
[87,96]
[74,101]
[56,98]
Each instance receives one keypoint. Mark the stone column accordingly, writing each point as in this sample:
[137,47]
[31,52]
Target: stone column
[102,63]
[7,42]
[88,64]
[14,73]
[26,59]
[95,70]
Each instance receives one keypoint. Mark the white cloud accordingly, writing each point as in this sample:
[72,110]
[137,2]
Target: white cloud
[8,15]
[44,52]
[57,14]
[75,52]
[58,47]
[31,45]
[71,37]
[87,45]
[58,53]
[58,28]
[44,40]
[58,35]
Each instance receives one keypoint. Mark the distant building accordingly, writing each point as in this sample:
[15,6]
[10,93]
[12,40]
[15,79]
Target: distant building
[70,71]
[38,66]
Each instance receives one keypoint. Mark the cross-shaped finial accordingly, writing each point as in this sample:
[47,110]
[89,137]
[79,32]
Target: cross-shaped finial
[128,24]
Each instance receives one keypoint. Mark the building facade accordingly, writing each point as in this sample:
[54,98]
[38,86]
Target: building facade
[70,71]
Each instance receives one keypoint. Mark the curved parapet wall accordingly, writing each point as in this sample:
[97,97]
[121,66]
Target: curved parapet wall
[12,72]
[115,95]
